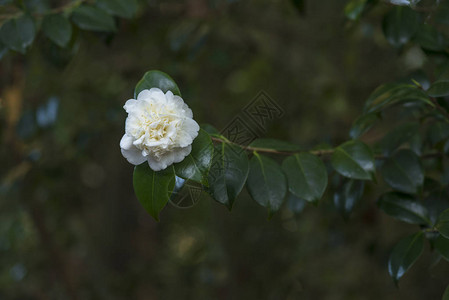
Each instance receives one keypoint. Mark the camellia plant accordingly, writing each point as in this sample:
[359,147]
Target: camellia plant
[409,162]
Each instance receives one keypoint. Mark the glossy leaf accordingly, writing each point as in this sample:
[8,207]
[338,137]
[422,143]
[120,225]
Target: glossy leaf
[397,136]
[363,124]
[228,173]
[156,79]
[306,175]
[347,196]
[399,25]
[266,182]
[354,8]
[276,145]
[442,246]
[405,254]
[440,87]
[122,8]
[196,165]
[355,160]
[58,29]
[92,18]
[431,39]
[36,6]
[393,93]
[403,172]
[18,33]
[404,208]
[153,189]
[443,223]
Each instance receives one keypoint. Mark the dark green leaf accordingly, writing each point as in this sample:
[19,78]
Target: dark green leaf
[210,129]
[431,39]
[355,160]
[404,208]
[363,124]
[393,93]
[228,173]
[153,189]
[156,79]
[307,176]
[196,165]
[4,2]
[354,9]
[400,25]
[276,145]
[442,246]
[266,183]
[348,195]
[443,223]
[58,29]
[403,172]
[398,136]
[18,33]
[405,254]
[440,87]
[122,8]
[36,6]
[92,18]
[438,132]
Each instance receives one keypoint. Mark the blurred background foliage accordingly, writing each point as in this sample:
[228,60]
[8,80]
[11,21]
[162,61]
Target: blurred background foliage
[70,225]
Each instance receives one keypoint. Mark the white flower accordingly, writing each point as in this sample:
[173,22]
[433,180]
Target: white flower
[159,129]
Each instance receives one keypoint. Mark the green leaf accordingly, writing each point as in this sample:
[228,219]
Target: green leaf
[442,246]
[438,132]
[306,175]
[405,254]
[404,208]
[156,79]
[300,6]
[153,189]
[122,8]
[228,173]
[266,183]
[355,160]
[393,93]
[398,136]
[400,25]
[443,223]
[354,9]
[93,18]
[58,29]
[275,145]
[18,33]
[36,6]
[196,165]
[440,87]
[363,124]
[404,172]
[346,197]
[431,39]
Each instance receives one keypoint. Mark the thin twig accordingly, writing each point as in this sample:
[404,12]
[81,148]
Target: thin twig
[315,152]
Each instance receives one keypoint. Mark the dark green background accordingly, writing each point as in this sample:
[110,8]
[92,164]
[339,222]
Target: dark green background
[70,225]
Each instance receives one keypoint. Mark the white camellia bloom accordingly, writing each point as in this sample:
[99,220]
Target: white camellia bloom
[159,129]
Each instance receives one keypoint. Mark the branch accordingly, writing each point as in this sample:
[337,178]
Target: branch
[442,110]
[315,152]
